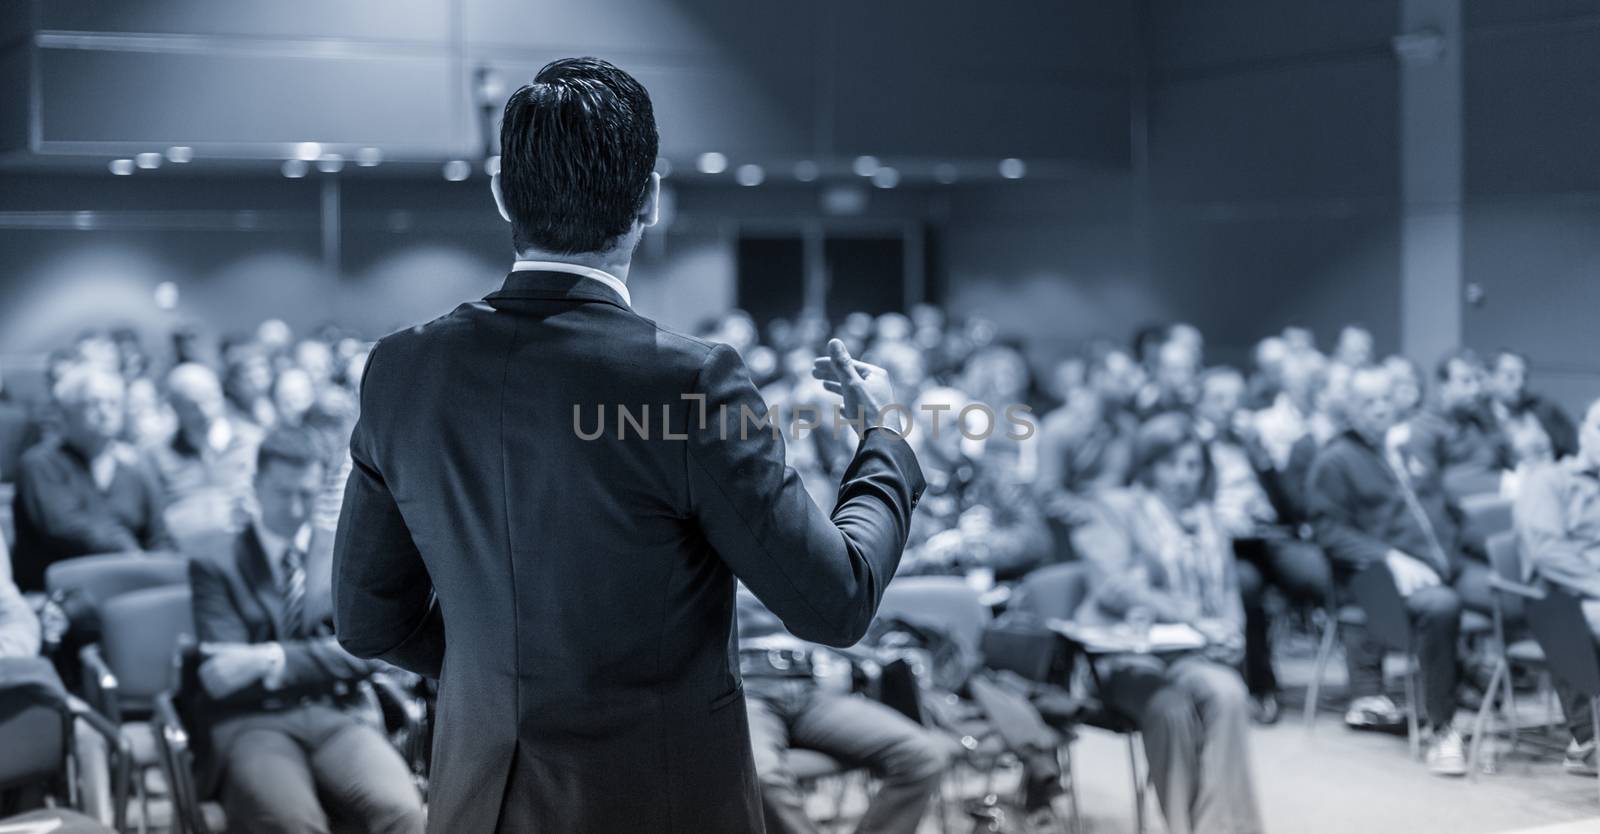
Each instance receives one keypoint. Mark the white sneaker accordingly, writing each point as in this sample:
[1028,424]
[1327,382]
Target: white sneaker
[1374,712]
[1447,756]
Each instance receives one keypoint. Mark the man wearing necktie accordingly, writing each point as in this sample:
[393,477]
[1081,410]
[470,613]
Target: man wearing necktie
[285,735]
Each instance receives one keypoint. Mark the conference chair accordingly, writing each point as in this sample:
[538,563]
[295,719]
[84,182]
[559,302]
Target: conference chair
[95,579]
[1512,649]
[1557,621]
[38,721]
[132,664]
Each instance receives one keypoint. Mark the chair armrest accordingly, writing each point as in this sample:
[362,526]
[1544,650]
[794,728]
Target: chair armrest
[1506,586]
[100,684]
[120,750]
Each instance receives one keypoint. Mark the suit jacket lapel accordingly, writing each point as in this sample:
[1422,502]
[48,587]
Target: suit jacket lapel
[258,575]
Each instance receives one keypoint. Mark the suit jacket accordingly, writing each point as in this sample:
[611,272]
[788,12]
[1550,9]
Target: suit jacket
[576,596]
[237,600]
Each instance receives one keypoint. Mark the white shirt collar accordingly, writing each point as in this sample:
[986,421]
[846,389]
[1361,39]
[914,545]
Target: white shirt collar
[600,275]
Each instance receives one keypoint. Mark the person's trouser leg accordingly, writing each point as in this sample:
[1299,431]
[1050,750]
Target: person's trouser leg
[1224,799]
[1575,704]
[1436,621]
[1257,666]
[364,778]
[907,758]
[268,787]
[1167,718]
[782,804]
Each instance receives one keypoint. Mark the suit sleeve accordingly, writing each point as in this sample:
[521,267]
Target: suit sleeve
[822,574]
[383,601]
[1541,524]
[1329,495]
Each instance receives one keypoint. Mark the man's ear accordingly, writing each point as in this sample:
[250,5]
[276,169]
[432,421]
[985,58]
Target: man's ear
[499,197]
[650,211]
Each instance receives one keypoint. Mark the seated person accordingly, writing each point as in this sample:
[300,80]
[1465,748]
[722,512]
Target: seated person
[1457,440]
[1557,518]
[204,471]
[788,709]
[18,432]
[1158,554]
[1510,399]
[976,514]
[83,492]
[284,736]
[1368,509]
[1268,551]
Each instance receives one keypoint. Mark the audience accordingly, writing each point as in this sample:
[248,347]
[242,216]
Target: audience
[284,728]
[1201,495]
[83,491]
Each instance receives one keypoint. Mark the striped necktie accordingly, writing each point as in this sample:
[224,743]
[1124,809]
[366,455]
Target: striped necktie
[294,592]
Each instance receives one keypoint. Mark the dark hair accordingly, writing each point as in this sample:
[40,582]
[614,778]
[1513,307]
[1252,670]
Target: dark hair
[576,150]
[1463,355]
[1158,439]
[289,445]
[1517,355]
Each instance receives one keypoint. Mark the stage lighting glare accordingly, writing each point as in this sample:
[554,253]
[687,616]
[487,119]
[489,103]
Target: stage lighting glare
[308,151]
[120,167]
[294,168]
[712,162]
[368,157]
[806,171]
[886,177]
[1012,169]
[865,166]
[456,170]
[491,166]
[148,161]
[330,163]
[663,167]
[180,154]
[749,175]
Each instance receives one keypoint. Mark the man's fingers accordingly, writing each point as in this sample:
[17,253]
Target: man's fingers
[842,363]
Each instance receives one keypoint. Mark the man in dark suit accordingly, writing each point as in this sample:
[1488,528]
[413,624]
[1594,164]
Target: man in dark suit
[285,734]
[585,574]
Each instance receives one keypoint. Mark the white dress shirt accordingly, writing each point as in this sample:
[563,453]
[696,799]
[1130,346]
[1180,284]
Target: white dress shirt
[612,281]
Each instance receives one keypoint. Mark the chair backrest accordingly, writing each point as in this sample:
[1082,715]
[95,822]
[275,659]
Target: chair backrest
[99,578]
[35,722]
[1388,622]
[1563,632]
[141,631]
[1485,515]
[945,601]
[1504,555]
[1052,593]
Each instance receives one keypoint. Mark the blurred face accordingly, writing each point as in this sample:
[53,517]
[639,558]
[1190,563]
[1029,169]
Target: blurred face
[1177,477]
[1355,347]
[1370,405]
[286,492]
[95,417]
[1220,399]
[1177,366]
[1119,377]
[198,404]
[1589,435]
[316,358]
[294,394]
[1461,387]
[1509,380]
[1406,386]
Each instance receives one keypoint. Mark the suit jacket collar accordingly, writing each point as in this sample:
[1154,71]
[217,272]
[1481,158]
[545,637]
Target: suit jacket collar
[251,558]
[553,285]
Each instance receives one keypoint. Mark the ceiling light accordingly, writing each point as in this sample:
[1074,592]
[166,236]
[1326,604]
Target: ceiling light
[308,151]
[886,177]
[148,161]
[750,175]
[180,154]
[120,167]
[294,168]
[712,162]
[456,170]
[330,163]
[368,157]
[865,166]
[1012,169]
[805,170]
